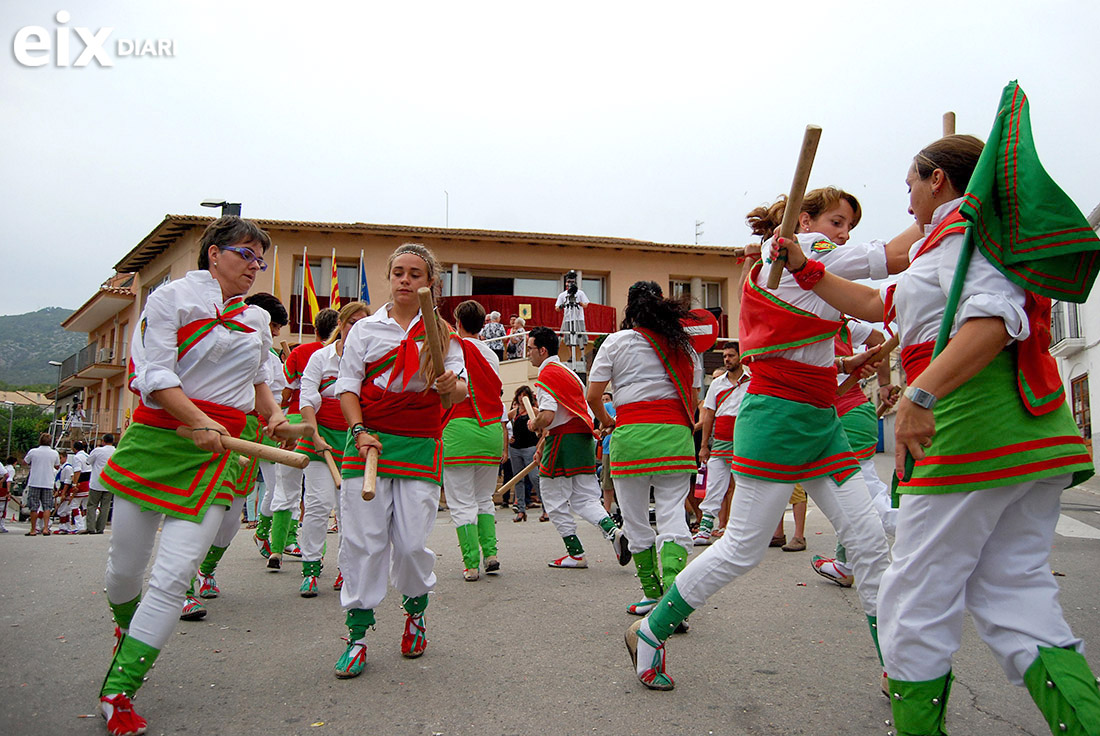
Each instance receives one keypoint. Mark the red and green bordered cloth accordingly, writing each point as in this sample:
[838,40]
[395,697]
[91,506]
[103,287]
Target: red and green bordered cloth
[472,434]
[569,449]
[654,437]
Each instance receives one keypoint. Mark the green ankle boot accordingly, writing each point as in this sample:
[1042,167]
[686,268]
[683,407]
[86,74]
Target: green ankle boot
[468,543]
[1065,689]
[920,708]
[669,613]
[646,564]
[487,534]
[128,667]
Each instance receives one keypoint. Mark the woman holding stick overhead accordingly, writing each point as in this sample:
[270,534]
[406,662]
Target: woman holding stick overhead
[787,340]
[321,410]
[656,377]
[199,365]
[391,393]
[977,515]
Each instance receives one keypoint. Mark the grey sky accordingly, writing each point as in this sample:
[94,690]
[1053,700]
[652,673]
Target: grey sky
[617,119]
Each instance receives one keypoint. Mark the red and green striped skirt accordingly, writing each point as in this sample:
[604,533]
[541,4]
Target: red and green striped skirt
[651,449]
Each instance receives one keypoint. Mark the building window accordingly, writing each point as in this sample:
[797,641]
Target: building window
[711,293]
[347,276]
[154,285]
[1079,400]
[1065,323]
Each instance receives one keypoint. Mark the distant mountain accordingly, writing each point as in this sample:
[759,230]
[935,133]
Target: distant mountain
[29,341]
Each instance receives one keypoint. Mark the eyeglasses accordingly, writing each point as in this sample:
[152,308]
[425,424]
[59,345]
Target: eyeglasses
[248,255]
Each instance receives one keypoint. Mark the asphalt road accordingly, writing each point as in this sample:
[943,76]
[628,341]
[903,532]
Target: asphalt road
[531,651]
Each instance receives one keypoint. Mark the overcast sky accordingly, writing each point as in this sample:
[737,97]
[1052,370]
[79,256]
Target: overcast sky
[612,119]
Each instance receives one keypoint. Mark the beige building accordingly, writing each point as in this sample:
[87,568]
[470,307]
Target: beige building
[513,272]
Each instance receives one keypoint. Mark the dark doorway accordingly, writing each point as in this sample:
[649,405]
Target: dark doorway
[494,285]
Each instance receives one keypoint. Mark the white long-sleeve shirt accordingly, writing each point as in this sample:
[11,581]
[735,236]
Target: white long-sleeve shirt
[921,294]
[323,364]
[222,367]
[848,261]
[370,339]
[628,361]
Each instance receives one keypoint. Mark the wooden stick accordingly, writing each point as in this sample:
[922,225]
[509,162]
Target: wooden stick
[794,199]
[948,123]
[256,450]
[853,378]
[370,473]
[295,431]
[285,348]
[528,408]
[431,333]
[521,474]
[881,411]
[333,470]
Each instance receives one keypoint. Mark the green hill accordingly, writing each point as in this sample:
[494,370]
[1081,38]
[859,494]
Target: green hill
[29,341]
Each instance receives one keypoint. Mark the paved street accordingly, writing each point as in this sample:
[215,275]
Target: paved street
[532,651]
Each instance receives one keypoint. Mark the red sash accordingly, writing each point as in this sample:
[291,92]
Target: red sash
[654,411]
[768,324]
[854,396]
[680,369]
[232,419]
[915,358]
[573,426]
[405,413]
[192,333]
[331,415]
[292,371]
[723,428]
[794,381]
[484,384]
[566,388]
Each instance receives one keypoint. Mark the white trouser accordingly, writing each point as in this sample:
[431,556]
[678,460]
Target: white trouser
[231,523]
[986,552]
[756,509]
[718,482]
[288,488]
[393,526]
[183,545]
[269,473]
[880,496]
[80,506]
[469,491]
[561,497]
[669,493]
[320,500]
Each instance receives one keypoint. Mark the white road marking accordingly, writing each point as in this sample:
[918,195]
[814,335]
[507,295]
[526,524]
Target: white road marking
[1070,527]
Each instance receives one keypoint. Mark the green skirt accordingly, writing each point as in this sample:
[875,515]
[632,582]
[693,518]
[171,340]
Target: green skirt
[985,438]
[160,471]
[566,455]
[465,442]
[651,449]
[787,441]
[418,458]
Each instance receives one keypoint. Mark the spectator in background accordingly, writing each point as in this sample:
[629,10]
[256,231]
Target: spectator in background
[517,339]
[7,484]
[99,498]
[38,500]
[493,334]
[522,452]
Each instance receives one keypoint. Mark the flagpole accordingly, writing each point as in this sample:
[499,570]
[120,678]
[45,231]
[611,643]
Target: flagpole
[302,296]
[275,270]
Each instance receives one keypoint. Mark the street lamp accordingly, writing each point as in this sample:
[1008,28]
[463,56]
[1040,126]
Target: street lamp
[228,208]
[55,393]
[11,416]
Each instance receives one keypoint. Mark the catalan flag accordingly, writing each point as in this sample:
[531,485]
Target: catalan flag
[309,293]
[334,292]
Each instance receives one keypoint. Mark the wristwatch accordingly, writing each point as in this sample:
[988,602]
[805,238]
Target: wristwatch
[357,430]
[920,397]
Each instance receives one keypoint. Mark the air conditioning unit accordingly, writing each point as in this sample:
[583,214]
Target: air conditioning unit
[105,355]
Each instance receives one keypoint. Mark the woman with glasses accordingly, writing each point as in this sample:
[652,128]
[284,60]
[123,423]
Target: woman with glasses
[199,363]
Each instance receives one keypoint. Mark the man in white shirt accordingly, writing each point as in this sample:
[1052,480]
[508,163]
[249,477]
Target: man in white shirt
[571,304]
[99,497]
[43,462]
